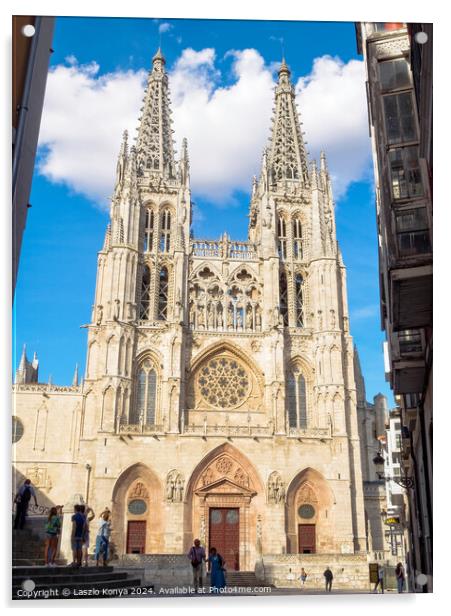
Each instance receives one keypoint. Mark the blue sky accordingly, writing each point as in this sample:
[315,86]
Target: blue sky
[99,63]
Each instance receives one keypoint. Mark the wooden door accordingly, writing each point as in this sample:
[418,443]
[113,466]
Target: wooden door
[136,537]
[225,535]
[307,539]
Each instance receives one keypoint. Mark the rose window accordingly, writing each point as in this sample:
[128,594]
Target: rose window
[223,383]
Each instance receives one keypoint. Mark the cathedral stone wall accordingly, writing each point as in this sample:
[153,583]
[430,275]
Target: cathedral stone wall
[219,398]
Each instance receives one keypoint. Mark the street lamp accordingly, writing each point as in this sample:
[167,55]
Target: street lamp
[404,482]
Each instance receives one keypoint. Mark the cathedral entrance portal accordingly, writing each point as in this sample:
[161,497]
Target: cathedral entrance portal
[224,498]
[224,524]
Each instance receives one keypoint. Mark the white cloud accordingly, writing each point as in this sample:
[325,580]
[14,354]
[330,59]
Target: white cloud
[332,104]
[365,312]
[82,124]
[226,125]
[164,27]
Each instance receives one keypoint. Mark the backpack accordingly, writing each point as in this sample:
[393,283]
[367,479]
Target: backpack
[26,495]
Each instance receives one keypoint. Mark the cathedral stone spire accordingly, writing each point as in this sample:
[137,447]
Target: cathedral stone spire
[122,162]
[154,145]
[75,377]
[287,154]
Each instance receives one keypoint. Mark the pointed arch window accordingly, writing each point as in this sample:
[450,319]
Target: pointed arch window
[144,308]
[283,289]
[299,289]
[297,400]
[146,395]
[163,294]
[282,238]
[298,252]
[165,238]
[148,230]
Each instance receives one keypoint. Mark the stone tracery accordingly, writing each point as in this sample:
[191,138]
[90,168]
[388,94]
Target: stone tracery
[233,305]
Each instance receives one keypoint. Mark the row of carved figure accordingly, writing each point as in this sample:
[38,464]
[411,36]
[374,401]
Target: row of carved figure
[175,484]
[225,316]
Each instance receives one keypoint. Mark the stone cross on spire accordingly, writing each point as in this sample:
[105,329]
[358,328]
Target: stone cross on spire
[287,156]
[154,144]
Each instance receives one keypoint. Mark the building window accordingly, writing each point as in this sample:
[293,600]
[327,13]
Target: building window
[297,400]
[297,239]
[148,231]
[165,241]
[163,294]
[394,74]
[409,341]
[146,395]
[385,27]
[413,232]
[405,173]
[399,118]
[144,309]
[299,283]
[282,233]
[283,289]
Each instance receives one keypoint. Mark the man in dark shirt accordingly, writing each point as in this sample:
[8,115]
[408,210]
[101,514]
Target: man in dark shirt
[328,575]
[78,534]
[22,501]
[197,556]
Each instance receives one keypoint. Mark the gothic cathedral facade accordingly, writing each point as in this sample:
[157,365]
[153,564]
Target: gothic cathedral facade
[219,398]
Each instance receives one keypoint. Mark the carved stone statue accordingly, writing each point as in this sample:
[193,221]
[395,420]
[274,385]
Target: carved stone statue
[332,319]
[117,308]
[258,318]
[210,317]
[174,487]
[99,314]
[200,317]
[239,319]
[219,320]
[179,490]
[230,318]
[249,318]
[170,489]
[276,489]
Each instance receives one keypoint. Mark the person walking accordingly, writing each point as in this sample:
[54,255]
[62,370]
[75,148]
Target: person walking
[89,516]
[216,565]
[197,557]
[77,535]
[400,577]
[22,501]
[380,579]
[52,533]
[303,577]
[103,539]
[328,576]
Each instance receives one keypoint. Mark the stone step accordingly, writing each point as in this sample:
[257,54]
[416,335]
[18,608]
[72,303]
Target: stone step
[242,578]
[37,571]
[77,587]
[68,579]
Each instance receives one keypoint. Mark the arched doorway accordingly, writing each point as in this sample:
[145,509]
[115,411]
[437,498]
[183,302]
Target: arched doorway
[310,514]
[223,499]
[137,512]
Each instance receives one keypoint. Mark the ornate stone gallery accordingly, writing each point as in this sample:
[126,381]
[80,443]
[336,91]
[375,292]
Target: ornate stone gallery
[219,395]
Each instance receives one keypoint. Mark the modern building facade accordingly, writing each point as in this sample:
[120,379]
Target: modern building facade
[399,88]
[219,399]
